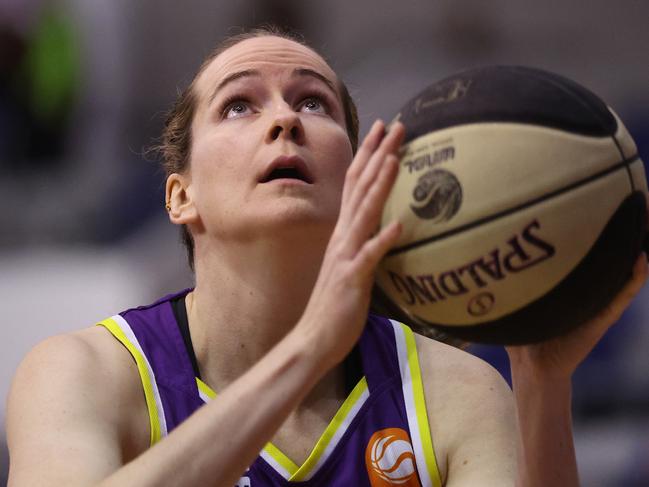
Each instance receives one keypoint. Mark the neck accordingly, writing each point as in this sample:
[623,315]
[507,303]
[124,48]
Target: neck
[248,296]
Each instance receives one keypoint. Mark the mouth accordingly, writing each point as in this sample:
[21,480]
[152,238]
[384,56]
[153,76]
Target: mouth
[287,168]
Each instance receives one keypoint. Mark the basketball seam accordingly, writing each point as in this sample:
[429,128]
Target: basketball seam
[576,95]
[468,226]
[538,75]
[507,330]
[628,167]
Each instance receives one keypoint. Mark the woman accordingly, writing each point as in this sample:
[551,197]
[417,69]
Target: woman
[280,218]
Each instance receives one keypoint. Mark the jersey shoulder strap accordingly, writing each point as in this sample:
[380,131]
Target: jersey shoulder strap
[388,350]
[151,335]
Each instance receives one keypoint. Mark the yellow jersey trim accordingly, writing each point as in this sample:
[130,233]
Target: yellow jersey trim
[207,393]
[338,424]
[420,407]
[204,389]
[341,419]
[143,368]
[289,465]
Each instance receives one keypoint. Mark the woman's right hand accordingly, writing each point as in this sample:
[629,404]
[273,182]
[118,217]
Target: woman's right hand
[337,309]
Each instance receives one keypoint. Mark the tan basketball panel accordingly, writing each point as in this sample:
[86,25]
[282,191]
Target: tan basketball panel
[493,269]
[497,165]
[638,175]
[627,145]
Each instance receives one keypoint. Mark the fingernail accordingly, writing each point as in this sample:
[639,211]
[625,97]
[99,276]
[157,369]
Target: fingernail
[393,126]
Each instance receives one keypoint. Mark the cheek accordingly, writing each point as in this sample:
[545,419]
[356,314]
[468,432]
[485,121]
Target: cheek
[216,156]
[339,158]
[333,144]
[215,167]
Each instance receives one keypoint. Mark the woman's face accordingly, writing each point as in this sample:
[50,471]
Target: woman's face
[269,142]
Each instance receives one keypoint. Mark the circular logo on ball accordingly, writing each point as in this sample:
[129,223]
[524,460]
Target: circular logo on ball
[437,196]
[481,304]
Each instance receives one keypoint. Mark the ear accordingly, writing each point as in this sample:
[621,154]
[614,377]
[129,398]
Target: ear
[180,204]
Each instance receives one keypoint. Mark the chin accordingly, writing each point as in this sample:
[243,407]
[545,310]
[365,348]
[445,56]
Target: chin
[298,217]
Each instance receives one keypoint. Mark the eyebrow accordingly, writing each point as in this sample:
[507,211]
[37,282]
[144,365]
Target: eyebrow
[254,73]
[233,77]
[315,74]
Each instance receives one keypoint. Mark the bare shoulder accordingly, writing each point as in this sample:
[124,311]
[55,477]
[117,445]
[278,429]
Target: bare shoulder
[471,413]
[69,397]
[89,362]
[81,352]
[453,367]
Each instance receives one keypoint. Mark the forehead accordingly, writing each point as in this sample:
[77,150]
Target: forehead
[267,54]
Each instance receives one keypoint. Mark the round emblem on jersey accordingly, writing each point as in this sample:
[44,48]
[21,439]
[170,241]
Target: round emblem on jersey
[390,460]
[437,196]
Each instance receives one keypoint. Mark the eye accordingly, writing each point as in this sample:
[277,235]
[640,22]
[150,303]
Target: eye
[314,104]
[236,108]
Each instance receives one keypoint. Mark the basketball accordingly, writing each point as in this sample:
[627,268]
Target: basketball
[522,200]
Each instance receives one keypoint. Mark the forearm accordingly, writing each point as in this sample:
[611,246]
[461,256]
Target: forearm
[545,449]
[216,444]
[541,376]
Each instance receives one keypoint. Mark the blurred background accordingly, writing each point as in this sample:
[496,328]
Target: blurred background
[84,85]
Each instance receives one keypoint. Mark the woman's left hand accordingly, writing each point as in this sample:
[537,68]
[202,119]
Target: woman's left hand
[559,357]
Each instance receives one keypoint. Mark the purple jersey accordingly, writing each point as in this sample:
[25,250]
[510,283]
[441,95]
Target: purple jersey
[379,436]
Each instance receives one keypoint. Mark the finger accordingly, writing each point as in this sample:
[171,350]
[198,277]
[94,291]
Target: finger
[393,139]
[361,222]
[389,146]
[368,146]
[370,143]
[623,299]
[376,248]
[368,214]
[639,274]
[369,170]
[645,243]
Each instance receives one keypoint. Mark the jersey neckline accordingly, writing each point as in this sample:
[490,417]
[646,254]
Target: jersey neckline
[324,446]
[352,365]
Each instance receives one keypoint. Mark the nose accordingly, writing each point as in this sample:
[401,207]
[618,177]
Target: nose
[286,124]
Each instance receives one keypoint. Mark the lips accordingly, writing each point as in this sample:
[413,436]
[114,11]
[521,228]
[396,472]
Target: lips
[287,167]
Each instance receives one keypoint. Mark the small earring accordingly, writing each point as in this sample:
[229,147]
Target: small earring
[168,207]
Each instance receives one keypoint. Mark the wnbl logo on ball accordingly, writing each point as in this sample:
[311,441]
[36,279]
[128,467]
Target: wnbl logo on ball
[437,196]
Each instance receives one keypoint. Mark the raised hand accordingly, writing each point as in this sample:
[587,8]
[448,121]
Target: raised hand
[541,376]
[338,306]
[560,356]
